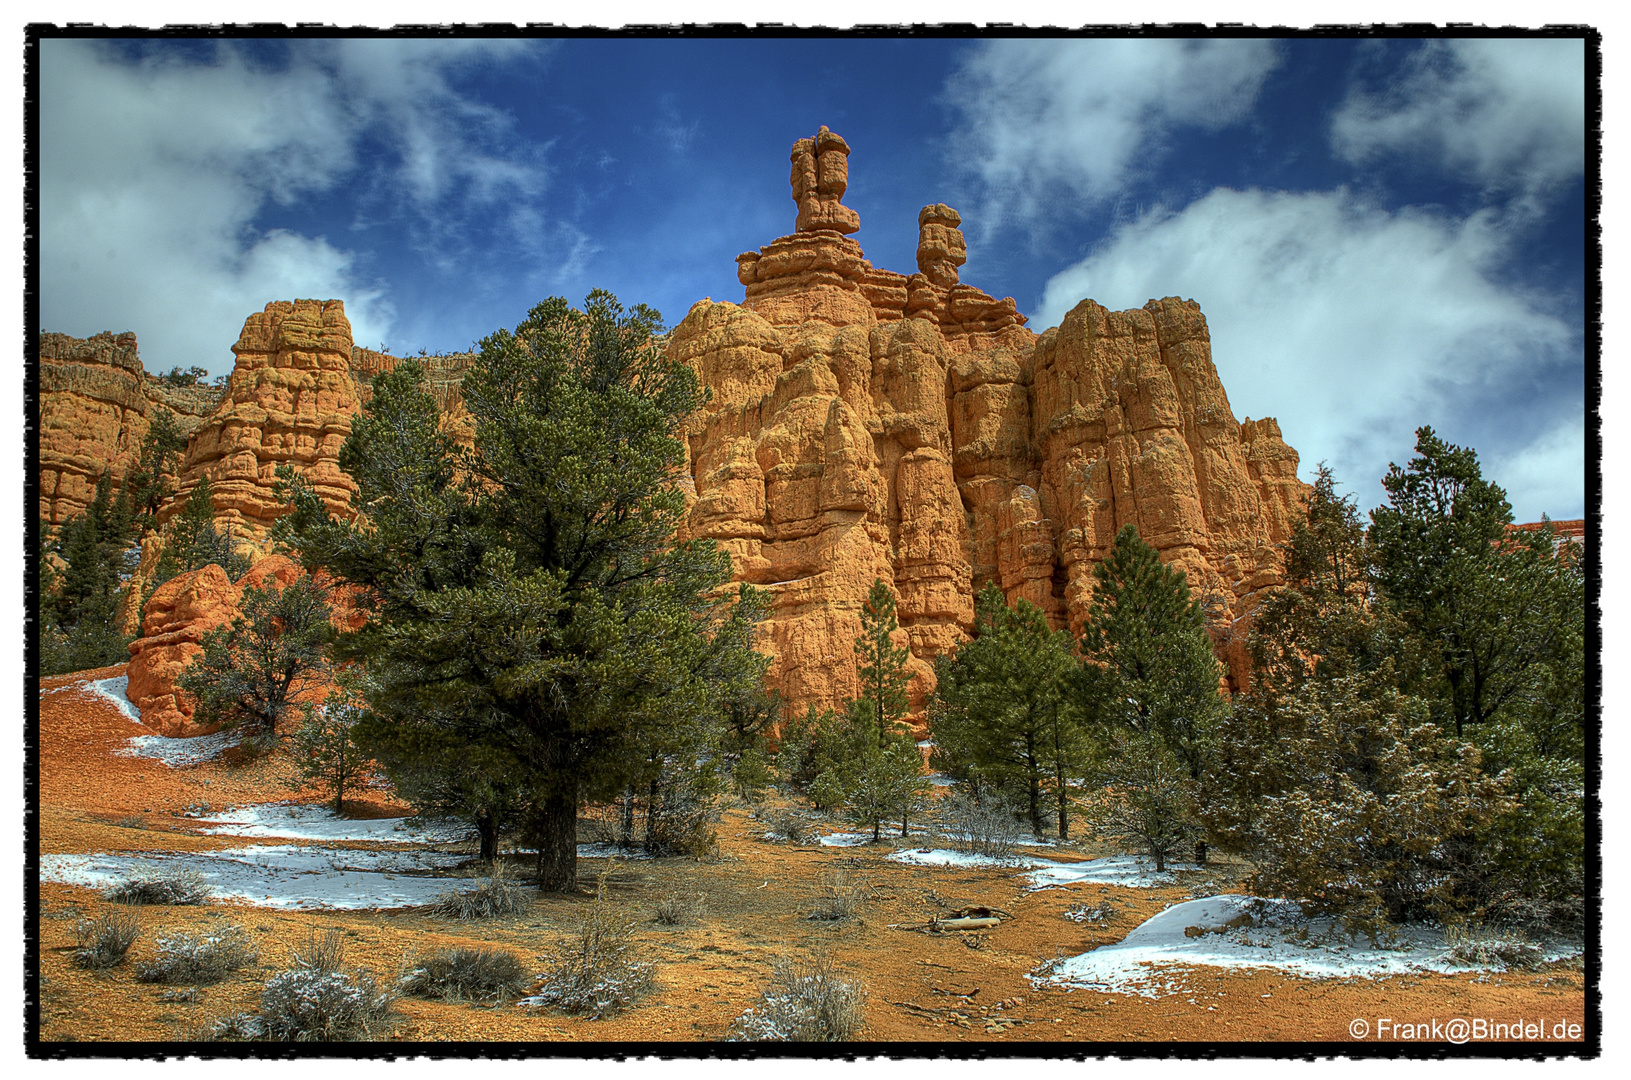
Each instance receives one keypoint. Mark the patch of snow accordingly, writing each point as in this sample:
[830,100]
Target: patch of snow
[941,780]
[844,839]
[283,876]
[290,821]
[114,690]
[609,851]
[1129,871]
[943,857]
[1196,933]
[1029,841]
[179,753]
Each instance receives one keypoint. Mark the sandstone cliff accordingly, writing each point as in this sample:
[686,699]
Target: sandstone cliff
[867,423]
[96,403]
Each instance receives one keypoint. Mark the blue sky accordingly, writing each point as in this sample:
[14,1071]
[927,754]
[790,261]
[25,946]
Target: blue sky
[1382,234]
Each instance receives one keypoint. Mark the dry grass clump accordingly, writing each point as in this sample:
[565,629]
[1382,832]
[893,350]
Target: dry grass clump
[199,959]
[102,943]
[494,897]
[1483,947]
[461,974]
[316,1001]
[840,899]
[676,908]
[596,973]
[804,1003]
[158,886]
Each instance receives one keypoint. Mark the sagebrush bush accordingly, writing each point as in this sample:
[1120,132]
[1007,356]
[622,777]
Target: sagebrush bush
[102,943]
[493,897]
[980,824]
[315,1001]
[595,973]
[461,974]
[199,959]
[161,886]
[788,826]
[804,1003]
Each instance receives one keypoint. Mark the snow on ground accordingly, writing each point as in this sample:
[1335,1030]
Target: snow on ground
[1128,871]
[609,851]
[1196,933]
[179,753]
[282,876]
[844,839]
[114,690]
[944,857]
[290,821]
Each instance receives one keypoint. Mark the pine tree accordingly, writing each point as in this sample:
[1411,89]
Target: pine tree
[527,598]
[325,746]
[1149,671]
[254,671]
[193,540]
[79,606]
[1001,715]
[881,664]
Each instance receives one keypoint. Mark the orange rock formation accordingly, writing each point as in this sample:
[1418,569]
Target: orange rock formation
[96,403]
[179,614]
[865,423]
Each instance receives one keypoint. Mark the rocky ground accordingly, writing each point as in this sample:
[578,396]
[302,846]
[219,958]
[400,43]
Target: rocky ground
[753,908]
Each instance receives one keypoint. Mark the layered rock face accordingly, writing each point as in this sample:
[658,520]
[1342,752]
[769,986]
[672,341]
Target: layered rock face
[96,403]
[290,400]
[867,423]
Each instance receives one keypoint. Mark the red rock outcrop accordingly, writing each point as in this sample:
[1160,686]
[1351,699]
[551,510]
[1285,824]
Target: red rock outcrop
[290,401]
[179,614]
[866,423]
[96,403]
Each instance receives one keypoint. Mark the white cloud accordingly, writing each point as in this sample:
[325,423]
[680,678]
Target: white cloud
[1509,114]
[1083,117]
[1352,325]
[1530,474]
[154,171]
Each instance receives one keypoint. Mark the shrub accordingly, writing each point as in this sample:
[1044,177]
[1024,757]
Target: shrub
[1483,947]
[839,899]
[102,943]
[788,826]
[313,1005]
[152,886]
[596,973]
[494,897]
[199,960]
[465,975]
[804,1003]
[981,824]
[674,909]
[316,1001]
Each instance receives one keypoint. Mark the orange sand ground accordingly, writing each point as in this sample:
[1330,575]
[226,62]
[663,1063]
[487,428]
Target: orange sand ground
[948,989]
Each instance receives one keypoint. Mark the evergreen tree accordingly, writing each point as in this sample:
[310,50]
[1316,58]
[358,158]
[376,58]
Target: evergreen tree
[79,606]
[193,539]
[527,598]
[867,758]
[1001,714]
[1149,670]
[151,480]
[881,665]
[325,746]
[254,671]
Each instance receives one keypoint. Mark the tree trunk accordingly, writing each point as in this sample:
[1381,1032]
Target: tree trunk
[1160,859]
[877,829]
[1200,852]
[557,830]
[487,829]
[1064,816]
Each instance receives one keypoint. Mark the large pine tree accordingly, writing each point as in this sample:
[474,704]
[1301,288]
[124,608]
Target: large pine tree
[526,594]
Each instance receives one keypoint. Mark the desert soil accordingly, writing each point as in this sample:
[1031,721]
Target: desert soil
[756,899]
